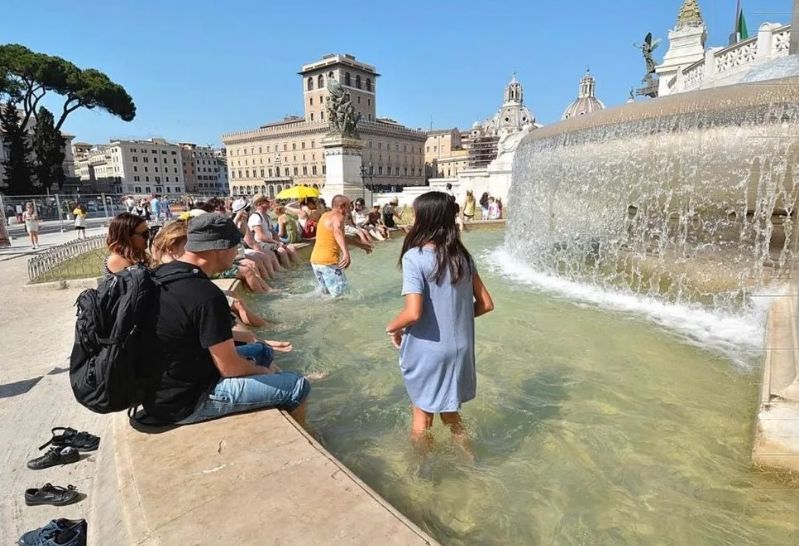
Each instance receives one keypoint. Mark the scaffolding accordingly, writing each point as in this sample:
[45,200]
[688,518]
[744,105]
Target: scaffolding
[483,150]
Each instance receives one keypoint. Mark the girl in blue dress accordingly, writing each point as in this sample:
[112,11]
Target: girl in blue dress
[434,332]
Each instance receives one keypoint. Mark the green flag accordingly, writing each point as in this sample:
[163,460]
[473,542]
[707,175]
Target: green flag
[743,32]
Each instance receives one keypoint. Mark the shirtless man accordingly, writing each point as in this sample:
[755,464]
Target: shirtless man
[330,256]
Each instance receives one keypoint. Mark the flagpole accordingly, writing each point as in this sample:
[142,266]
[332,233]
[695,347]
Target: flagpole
[734,38]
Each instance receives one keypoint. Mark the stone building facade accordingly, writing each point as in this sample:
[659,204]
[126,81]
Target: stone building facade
[445,153]
[287,152]
[202,170]
[139,167]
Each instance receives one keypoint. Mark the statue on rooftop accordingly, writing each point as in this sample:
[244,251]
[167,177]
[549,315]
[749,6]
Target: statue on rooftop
[647,48]
[340,111]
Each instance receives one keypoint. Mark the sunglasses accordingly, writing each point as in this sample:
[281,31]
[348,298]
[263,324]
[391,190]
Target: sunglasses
[143,234]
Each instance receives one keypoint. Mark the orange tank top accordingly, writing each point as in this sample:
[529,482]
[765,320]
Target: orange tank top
[325,250]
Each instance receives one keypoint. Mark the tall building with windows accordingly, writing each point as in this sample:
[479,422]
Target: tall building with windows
[201,168]
[290,151]
[140,167]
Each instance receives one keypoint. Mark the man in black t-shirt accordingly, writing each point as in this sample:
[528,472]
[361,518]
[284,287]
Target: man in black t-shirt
[203,374]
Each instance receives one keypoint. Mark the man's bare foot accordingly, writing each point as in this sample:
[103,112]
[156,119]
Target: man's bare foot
[316,376]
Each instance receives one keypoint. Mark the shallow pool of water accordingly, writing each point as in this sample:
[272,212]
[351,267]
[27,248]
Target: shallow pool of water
[593,423]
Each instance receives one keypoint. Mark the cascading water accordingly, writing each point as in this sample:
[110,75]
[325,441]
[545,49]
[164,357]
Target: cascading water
[687,199]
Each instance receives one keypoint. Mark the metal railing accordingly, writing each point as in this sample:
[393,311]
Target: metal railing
[63,261]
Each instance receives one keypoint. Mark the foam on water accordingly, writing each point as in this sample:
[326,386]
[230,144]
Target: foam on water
[738,337]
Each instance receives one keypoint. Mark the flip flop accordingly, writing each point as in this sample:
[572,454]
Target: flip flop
[70,437]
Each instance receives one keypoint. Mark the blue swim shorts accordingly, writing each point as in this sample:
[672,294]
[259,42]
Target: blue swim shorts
[331,278]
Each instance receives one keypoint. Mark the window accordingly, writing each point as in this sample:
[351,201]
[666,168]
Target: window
[313,144]
[302,145]
[270,172]
[320,82]
[369,102]
[380,170]
[358,81]
[322,114]
[305,171]
[293,145]
[135,178]
[329,74]
[324,169]
[135,169]
[368,84]
[310,84]
[359,99]
[135,159]
[240,176]
[146,159]
[145,169]
[158,179]
[262,173]
[285,147]
[137,189]
[406,171]
[310,101]
[175,161]
[259,151]
[247,173]
[176,169]
[156,169]
[174,152]
[347,79]
[296,171]
[166,179]
[232,174]
[286,171]
[313,169]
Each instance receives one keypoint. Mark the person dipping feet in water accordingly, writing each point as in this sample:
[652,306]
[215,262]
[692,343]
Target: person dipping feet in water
[330,256]
[434,332]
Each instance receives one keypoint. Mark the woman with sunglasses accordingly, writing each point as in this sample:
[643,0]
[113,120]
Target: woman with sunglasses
[127,242]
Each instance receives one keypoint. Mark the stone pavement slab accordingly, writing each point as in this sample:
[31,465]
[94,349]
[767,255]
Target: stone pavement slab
[254,478]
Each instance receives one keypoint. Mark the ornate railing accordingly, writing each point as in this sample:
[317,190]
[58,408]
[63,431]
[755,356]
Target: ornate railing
[44,262]
[717,66]
[694,74]
[738,55]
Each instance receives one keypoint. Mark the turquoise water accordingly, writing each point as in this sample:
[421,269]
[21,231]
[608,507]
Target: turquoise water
[593,423]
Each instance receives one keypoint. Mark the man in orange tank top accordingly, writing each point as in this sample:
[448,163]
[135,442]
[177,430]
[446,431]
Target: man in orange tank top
[330,256]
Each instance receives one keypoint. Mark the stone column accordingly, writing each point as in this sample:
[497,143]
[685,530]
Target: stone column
[342,167]
[794,50]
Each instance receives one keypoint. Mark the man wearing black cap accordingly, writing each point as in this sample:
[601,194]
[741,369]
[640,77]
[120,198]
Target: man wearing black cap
[201,375]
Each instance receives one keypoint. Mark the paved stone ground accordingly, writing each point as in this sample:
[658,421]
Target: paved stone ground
[36,328]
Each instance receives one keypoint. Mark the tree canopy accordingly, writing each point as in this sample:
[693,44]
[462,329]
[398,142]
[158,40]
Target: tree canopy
[48,147]
[16,166]
[26,76]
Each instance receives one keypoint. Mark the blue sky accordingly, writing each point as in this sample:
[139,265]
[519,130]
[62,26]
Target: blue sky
[199,69]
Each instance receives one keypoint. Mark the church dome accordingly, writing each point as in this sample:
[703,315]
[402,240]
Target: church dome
[586,101]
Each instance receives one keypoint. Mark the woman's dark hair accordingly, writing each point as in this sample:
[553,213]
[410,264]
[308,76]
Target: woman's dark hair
[121,229]
[435,223]
[484,199]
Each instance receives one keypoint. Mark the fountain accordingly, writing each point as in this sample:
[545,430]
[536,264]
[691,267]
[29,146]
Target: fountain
[689,199]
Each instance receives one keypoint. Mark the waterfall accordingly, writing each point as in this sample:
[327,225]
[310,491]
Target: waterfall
[687,199]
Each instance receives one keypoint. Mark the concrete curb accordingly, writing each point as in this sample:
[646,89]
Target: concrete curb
[91,282]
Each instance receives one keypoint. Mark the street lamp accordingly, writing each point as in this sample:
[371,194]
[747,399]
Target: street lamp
[370,173]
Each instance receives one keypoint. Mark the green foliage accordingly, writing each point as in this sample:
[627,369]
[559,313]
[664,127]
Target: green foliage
[26,76]
[48,146]
[18,176]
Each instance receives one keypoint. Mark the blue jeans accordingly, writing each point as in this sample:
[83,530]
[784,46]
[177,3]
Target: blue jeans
[284,390]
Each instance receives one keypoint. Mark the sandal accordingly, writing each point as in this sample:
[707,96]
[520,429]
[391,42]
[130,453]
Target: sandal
[70,437]
[52,494]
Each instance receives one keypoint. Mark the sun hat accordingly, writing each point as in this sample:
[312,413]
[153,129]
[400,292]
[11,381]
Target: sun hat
[239,204]
[212,231]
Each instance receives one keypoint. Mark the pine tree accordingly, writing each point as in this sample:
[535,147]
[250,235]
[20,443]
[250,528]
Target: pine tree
[18,177]
[48,146]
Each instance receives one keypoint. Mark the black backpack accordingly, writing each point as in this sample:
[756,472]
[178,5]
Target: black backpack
[109,368]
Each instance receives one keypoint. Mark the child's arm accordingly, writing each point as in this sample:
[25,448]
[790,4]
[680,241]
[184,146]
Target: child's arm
[482,299]
[407,317]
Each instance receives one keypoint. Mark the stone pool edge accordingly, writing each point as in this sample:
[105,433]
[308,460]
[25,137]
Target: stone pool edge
[776,434]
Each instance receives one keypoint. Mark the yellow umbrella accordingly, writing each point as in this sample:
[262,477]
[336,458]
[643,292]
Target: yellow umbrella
[298,192]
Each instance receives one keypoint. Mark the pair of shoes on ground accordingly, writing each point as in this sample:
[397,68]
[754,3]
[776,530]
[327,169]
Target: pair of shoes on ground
[66,448]
[59,532]
[52,494]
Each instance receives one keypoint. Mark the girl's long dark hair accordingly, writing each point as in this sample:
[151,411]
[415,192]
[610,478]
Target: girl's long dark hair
[120,230]
[435,223]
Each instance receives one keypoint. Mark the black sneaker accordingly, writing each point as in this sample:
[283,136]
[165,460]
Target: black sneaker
[59,532]
[55,456]
[52,494]
[70,437]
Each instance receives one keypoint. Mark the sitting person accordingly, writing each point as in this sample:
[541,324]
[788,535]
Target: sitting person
[127,243]
[360,217]
[390,214]
[267,261]
[260,223]
[287,226]
[203,374]
[375,223]
[169,245]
